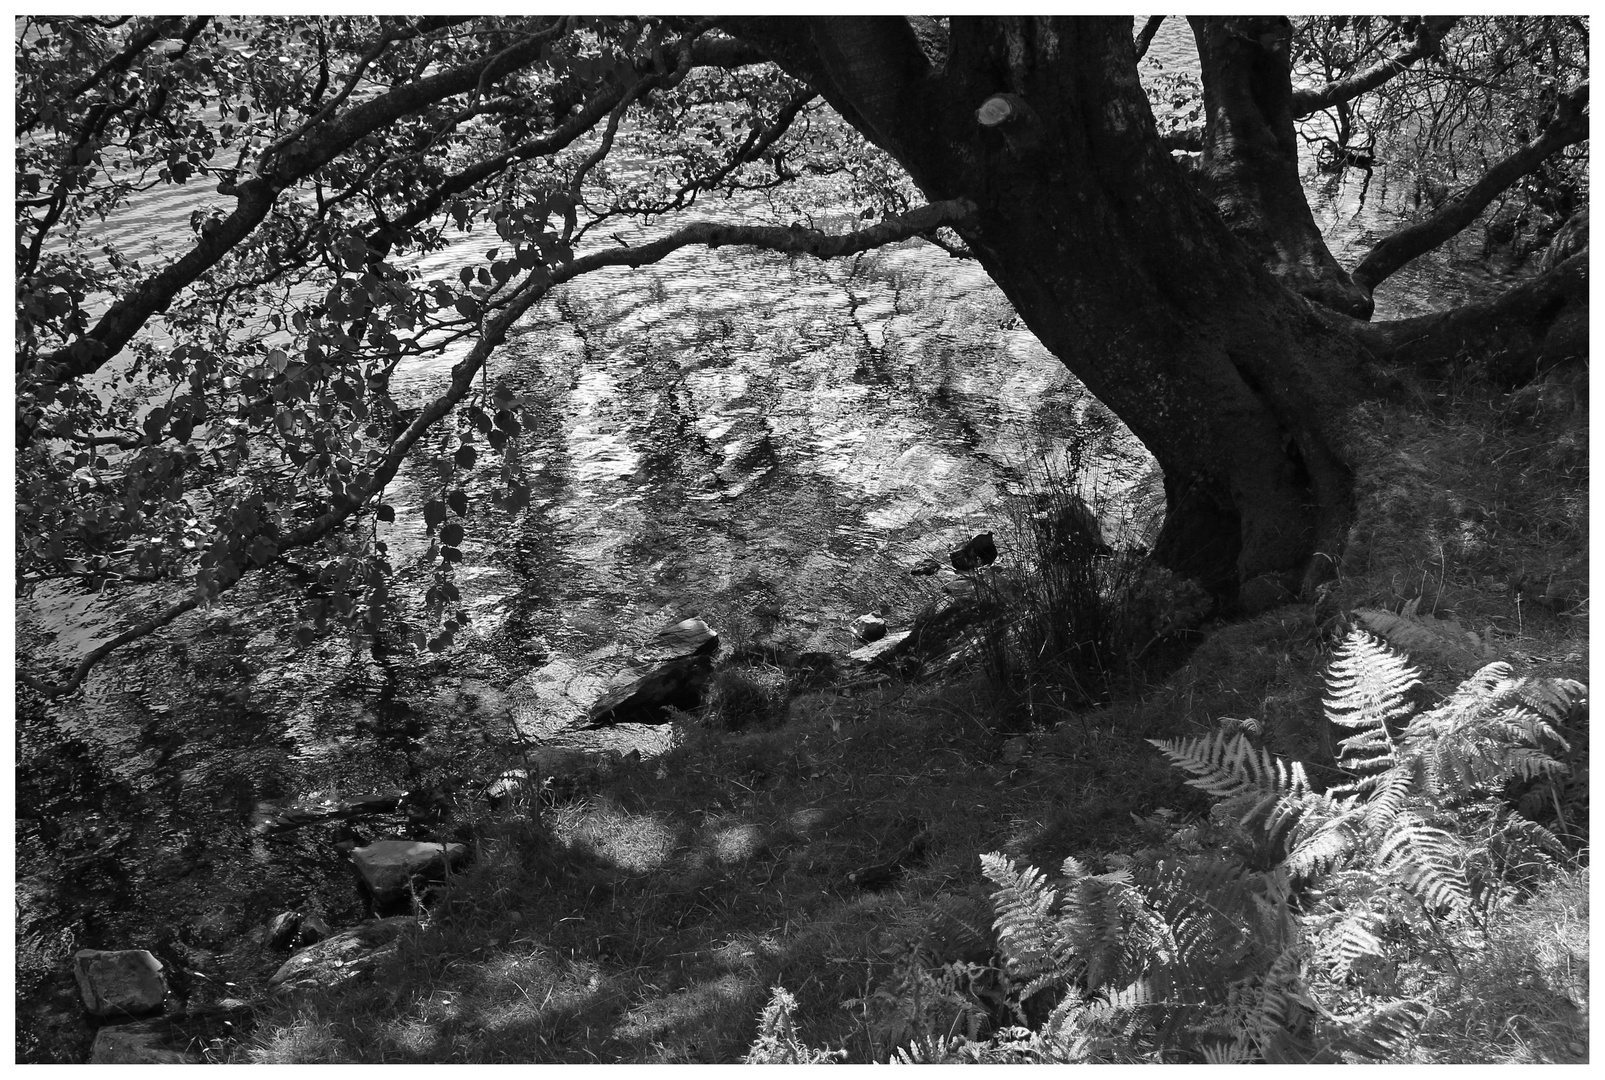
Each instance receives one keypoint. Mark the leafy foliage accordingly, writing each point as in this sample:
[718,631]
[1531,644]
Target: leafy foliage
[190,416]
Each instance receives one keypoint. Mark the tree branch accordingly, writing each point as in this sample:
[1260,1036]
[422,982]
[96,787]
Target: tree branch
[1569,126]
[1145,36]
[1511,339]
[254,199]
[534,287]
[1428,37]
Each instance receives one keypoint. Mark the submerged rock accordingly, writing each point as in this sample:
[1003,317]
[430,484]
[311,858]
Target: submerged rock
[137,1044]
[978,552]
[925,567]
[347,955]
[387,867]
[124,982]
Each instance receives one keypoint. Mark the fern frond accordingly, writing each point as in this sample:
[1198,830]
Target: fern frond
[1388,796]
[1443,641]
[1326,843]
[1382,1031]
[1555,700]
[1352,940]
[1427,860]
[1253,784]
[1368,683]
[1023,904]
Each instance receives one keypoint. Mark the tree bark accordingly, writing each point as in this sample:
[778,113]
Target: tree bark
[1120,268]
[1250,167]
[1569,126]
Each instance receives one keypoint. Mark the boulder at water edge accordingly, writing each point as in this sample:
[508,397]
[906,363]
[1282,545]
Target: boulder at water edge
[388,866]
[282,929]
[343,957]
[688,637]
[121,983]
[678,684]
[867,628]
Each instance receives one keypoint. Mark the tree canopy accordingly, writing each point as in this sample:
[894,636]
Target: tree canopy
[188,417]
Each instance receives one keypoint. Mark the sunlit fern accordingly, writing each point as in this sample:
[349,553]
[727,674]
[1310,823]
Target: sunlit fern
[1201,952]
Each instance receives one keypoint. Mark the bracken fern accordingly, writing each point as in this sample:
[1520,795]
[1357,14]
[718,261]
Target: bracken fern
[1274,941]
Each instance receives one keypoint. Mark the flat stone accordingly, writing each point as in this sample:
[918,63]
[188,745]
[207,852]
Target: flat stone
[387,866]
[124,982]
[137,1044]
[875,649]
[348,955]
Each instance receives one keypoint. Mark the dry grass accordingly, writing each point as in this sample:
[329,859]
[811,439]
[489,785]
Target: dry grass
[1521,996]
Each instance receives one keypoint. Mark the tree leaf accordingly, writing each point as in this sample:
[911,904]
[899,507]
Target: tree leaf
[451,534]
[385,513]
[457,499]
[434,513]
[466,456]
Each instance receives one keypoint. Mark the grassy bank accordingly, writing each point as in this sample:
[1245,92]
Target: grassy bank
[813,846]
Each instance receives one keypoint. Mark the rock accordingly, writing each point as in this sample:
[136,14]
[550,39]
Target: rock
[345,956]
[313,930]
[387,867]
[509,786]
[1015,749]
[137,1044]
[212,929]
[963,589]
[978,552]
[677,684]
[282,929]
[1067,531]
[874,651]
[678,641]
[925,567]
[867,628]
[812,822]
[124,982]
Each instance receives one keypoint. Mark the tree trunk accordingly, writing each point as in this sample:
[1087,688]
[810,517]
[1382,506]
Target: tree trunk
[1120,268]
[1250,167]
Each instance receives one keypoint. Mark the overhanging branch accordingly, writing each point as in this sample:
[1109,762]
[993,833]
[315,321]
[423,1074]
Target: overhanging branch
[536,286]
[1569,126]
[1511,339]
[1428,37]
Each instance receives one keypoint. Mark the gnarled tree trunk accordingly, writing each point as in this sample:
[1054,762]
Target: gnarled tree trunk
[1119,266]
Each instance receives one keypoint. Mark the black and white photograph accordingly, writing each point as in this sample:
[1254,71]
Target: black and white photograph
[798,538]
